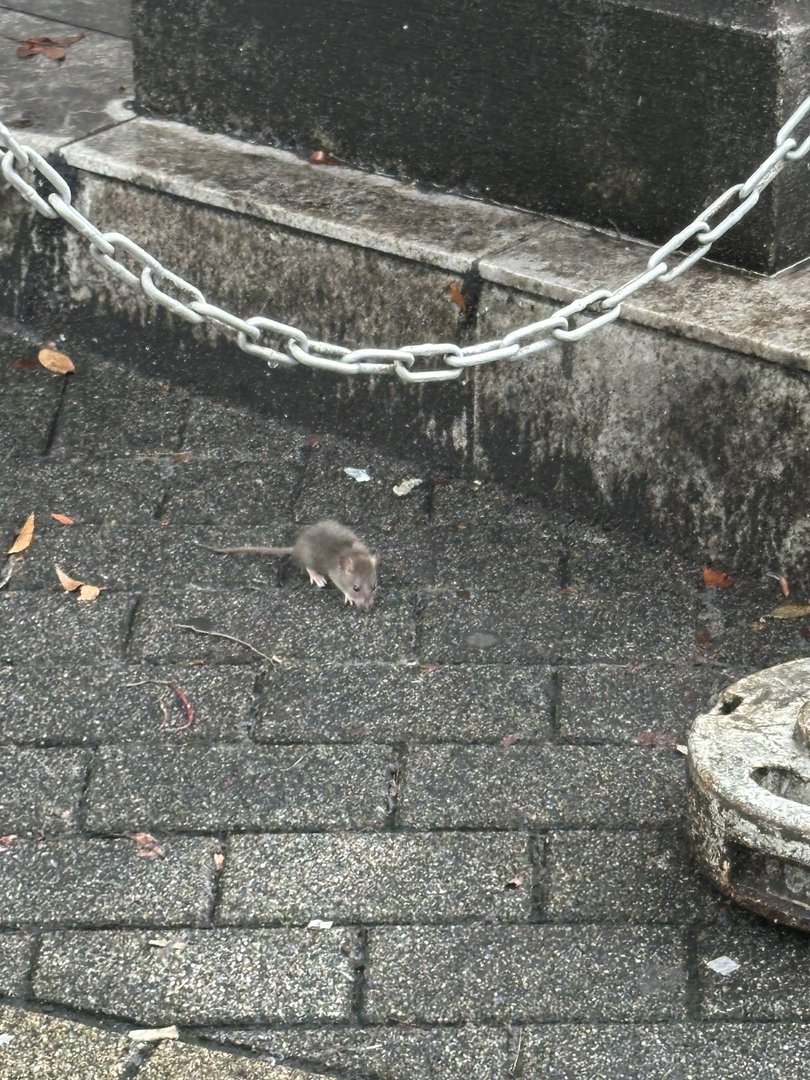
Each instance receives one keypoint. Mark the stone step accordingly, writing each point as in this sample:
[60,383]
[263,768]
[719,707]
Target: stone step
[686,418]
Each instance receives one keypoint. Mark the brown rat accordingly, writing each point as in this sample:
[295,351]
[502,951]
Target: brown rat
[328,550]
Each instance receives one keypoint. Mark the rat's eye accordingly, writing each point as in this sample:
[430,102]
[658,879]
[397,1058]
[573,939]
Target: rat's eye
[356,588]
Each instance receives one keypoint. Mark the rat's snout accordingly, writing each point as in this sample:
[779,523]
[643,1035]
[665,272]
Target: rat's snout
[365,603]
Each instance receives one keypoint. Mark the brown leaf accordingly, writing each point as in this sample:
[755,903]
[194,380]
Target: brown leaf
[789,611]
[322,157]
[759,625]
[53,52]
[24,537]
[56,361]
[456,297]
[63,519]
[90,592]
[181,458]
[510,739]
[6,842]
[25,365]
[68,583]
[219,860]
[783,585]
[147,845]
[716,579]
[313,440]
[704,639]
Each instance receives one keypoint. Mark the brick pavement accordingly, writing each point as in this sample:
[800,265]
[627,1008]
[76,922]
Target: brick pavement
[454,781]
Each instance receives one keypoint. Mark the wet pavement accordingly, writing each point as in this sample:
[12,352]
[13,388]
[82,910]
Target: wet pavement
[476,786]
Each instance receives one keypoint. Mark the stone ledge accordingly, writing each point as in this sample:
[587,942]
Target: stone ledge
[714,304]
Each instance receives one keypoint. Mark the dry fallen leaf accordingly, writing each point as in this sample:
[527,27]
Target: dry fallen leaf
[6,842]
[56,361]
[147,845]
[511,739]
[219,861]
[24,537]
[24,365]
[789,611]
[784,586]
[716,579]
[322,157]
[456,297]
[89,592]
[55,48]
[63,519]
[68,583]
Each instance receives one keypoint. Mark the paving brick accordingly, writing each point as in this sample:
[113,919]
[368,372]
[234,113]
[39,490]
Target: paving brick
[772,981]
[489,626]
[232,433]
[78,882]
[541,623]
[610,703]
[116,492]
[448,974]
[237,787]
[37,627]
[329,492]
[385,1052]
[671,1051]
[732,630]
[15,959]
[599,555]
[55,703]
[312,625]
[509,787]
[232,493]
[181,1061]
[481,703]
[203,977]
[92,422]
[373,879]
[624,877]
[49,1048]
[40,789]
[495,554]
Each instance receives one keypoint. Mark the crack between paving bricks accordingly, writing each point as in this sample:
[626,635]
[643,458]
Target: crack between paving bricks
[692,1000]
[223,845]
[537,854]
[50,438]
[130,628]
[358,998]
[396,775]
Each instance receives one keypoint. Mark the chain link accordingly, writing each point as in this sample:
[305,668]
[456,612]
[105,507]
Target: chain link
[293,347]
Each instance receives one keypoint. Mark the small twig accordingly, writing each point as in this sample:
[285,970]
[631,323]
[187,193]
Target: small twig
[12,565]
[164,711]
[517,1055]
[228,637]
[187,706]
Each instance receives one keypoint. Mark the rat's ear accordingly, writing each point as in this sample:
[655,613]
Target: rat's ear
[375,558]
[346,563]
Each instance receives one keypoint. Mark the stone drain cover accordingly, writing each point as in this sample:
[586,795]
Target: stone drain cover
[749,792]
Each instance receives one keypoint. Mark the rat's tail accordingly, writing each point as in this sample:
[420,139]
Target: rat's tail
[249,550]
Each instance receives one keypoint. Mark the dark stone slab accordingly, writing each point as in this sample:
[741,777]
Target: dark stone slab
[421,878]
[122,491]
[772,981]
[360,702]
[101,399]
[97,883]
[61,704]
[553,107]
[243,492]
[40,789]
[286,624]
[636,701]
[39,627]
[211,977]
[237,787]
[15,957]
[31,399]
[443,975]
[388,1052]
[510,787]
[652,1051]
[618,877]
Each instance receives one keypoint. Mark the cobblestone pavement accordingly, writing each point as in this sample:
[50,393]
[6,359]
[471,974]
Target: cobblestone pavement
[460,782]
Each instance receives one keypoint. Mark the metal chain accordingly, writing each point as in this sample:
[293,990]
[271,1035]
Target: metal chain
[294,347]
